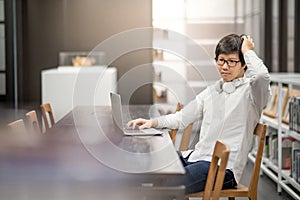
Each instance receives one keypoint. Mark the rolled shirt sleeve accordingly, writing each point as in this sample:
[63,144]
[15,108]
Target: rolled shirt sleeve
[259,79]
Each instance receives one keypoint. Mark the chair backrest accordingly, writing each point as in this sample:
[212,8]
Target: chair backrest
[173,132]
[186,133]
[185,138]
[17,126]
[47,111]
[260,131]
[216,173]
[33,123]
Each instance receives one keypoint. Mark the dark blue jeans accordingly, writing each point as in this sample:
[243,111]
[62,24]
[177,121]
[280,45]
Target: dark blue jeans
[196,174]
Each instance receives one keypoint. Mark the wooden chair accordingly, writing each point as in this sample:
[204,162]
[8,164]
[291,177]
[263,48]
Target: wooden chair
[251,191]
[47,111]
[216,174]
[173,132]
[33,123]
[17,126]
[186,133]
[185,138]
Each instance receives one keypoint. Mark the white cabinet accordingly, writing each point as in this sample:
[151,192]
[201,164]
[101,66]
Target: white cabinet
[275,169]
[67,87]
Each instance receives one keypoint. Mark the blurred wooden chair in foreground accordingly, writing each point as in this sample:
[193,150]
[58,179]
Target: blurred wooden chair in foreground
[216,173]
[17,126]
[47,113]
[33,123]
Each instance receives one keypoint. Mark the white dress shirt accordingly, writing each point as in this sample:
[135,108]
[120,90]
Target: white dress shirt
[229,117]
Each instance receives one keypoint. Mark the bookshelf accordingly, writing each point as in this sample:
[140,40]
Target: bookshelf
[287,84]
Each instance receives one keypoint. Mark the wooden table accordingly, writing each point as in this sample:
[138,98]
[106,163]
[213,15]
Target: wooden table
[84,154]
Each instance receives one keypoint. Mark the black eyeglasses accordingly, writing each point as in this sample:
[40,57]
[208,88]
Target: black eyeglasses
[230,63]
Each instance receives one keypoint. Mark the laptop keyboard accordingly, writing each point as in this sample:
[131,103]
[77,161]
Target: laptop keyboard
[136,130]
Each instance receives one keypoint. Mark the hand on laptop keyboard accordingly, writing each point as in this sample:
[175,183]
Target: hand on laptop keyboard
[142,123]
[137,127]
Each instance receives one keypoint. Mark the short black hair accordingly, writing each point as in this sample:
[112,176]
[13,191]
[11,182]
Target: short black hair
[231,43]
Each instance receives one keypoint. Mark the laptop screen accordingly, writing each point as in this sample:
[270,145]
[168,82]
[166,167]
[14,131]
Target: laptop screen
[116,109]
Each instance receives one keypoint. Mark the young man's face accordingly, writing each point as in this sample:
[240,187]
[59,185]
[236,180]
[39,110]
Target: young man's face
[230,66]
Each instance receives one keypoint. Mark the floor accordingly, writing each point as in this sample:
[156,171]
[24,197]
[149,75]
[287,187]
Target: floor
[267,188]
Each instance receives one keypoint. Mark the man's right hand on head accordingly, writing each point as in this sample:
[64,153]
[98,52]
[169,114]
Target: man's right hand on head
[247,44]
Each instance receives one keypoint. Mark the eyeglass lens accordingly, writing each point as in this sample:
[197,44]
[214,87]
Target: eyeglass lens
[230,63]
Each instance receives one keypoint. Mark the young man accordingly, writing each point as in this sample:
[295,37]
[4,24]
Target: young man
[229,111]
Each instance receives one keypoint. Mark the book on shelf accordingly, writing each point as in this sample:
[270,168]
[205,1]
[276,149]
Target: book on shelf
[272,143]
[284,95]
[286,113]
[266,152]
[271,109]
[272,101]
[298,168]
[274,150]
[286,152]
[294,114]
[294,161]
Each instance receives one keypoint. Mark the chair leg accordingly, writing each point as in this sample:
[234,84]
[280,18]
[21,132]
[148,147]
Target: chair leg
[252,198]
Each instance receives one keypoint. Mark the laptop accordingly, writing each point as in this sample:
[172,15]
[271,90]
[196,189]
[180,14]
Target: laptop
[118,119]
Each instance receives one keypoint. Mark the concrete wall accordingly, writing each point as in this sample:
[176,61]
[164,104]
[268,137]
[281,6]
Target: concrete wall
[51,26]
